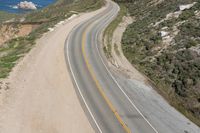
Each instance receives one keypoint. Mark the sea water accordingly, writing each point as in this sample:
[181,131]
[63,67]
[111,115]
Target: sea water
[11,5]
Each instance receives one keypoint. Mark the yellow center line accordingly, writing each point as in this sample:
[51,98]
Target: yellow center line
[125,127]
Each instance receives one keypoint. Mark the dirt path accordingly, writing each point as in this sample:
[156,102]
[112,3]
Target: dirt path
[39,96]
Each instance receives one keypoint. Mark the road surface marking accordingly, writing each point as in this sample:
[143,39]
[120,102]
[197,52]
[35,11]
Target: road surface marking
[125,127]
[132,103]
[90,112]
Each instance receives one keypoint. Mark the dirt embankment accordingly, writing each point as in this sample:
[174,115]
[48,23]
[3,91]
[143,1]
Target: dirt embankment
[10,31]
[118,60]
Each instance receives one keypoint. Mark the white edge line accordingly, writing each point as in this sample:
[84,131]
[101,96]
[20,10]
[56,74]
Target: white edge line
[121,87]
[79,90]
[79,87]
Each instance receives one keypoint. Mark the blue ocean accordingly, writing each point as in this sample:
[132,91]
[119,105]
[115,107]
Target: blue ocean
[11,5]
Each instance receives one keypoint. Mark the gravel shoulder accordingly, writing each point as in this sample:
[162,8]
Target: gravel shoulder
[118,60]
[39,95]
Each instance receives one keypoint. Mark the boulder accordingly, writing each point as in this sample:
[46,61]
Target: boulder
[27,5]
[188,6]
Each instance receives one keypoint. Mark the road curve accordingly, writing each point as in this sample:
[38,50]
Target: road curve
[108,108]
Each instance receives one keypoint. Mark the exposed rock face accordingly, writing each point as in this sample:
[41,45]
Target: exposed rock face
[27,5]
[188,6]
[164,33]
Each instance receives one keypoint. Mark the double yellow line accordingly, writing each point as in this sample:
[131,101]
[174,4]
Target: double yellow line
[125,127]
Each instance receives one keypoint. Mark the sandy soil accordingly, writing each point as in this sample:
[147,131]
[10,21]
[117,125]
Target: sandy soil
[26,29]
[38,96]
[8,32]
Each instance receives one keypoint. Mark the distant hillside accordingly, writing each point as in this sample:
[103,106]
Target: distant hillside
[4,16]
[164,43]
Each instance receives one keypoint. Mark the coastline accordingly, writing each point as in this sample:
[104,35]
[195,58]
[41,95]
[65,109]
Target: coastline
[9,15]
[13,6]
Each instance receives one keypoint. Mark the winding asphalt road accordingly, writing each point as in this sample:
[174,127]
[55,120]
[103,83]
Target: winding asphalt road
[109,109]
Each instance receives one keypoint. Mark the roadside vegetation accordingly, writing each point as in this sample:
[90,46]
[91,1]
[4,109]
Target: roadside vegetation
[108,33]
[4,16]
[164,43]
[12,50]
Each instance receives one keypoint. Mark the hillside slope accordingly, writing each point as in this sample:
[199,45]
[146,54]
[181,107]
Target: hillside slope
[163,42]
